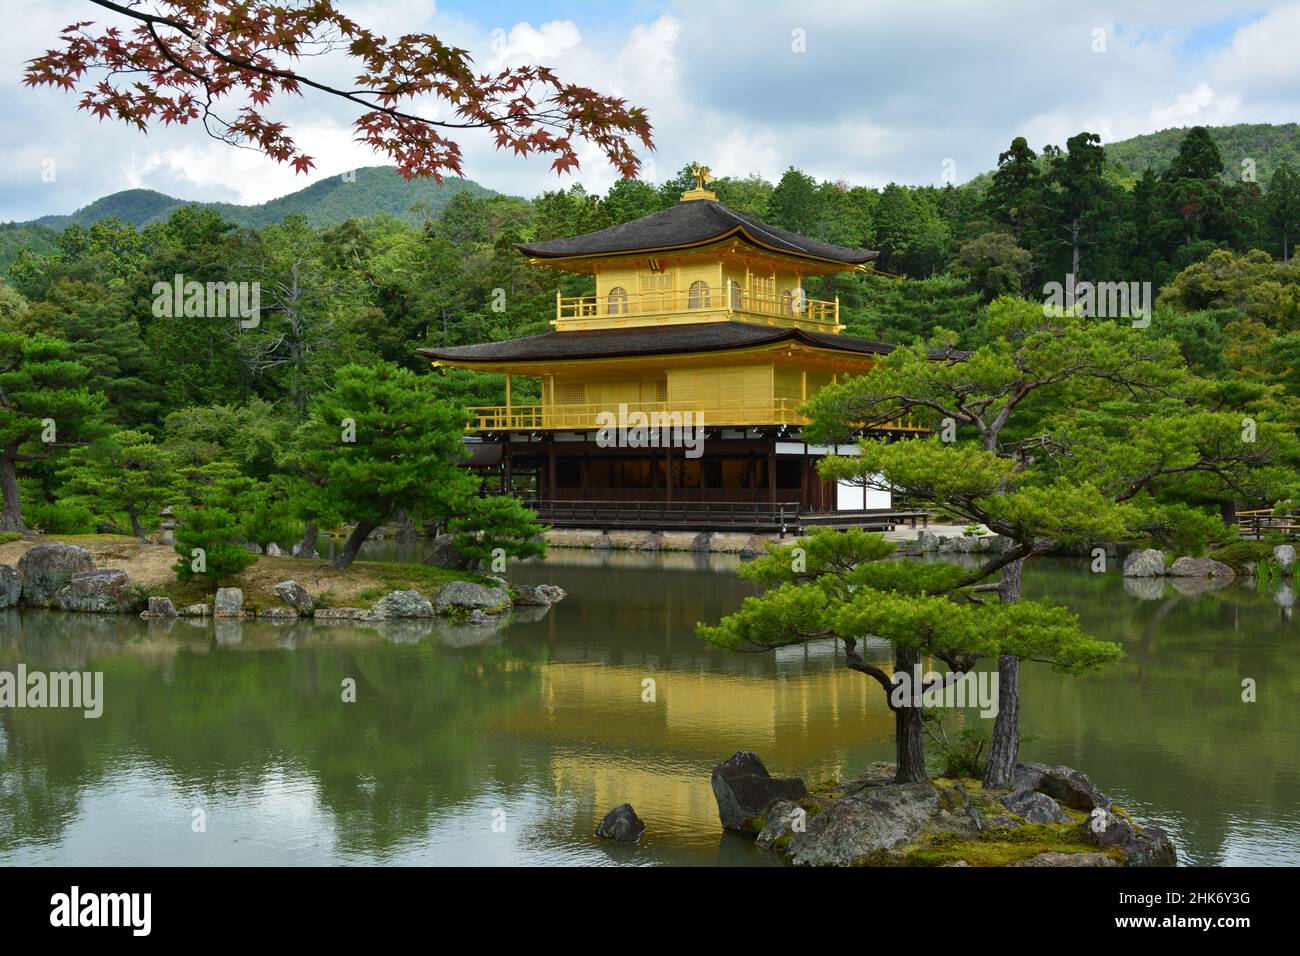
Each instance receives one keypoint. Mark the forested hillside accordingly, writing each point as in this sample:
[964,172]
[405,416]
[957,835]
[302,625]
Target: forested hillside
[1268,145]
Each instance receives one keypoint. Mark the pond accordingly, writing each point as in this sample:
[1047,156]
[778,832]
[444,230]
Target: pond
[232,744]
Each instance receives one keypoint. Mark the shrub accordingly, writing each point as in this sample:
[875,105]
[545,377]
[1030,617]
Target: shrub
[59,517]
[214,531]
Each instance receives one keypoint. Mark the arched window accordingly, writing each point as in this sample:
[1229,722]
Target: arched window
[787,303]
[618,301]
[698,296]
[735,294]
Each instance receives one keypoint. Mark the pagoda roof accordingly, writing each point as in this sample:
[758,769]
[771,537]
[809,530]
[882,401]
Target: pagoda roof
[689,223]
[650,340]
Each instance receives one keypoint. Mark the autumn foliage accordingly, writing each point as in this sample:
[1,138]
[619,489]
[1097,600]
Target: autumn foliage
[182,61]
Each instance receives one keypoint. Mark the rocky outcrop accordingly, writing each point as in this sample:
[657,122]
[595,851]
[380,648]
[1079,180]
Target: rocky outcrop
[927,542]
[100,592]
[1063,784]
[467,596]
[229,602]
[654,541]
[1052,858]
[278,614]
[196,610]
[743,788]
[755,547]
[1200,568]
[346,614]
[702,543]
[1145,564]
[296,596]
[1149,846]
[47,568]
[273,550]
[1034,807]
[160,607]
[11,586]
[400,604]
[621,825]
[865,823]
[1284,557]
[784,819]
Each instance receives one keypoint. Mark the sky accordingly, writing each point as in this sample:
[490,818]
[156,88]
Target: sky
[863,91]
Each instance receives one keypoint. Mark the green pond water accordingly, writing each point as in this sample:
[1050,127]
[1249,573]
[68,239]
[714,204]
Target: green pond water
[231,744]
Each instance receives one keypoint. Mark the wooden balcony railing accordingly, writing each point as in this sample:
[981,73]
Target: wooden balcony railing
[779,411]
[683,304]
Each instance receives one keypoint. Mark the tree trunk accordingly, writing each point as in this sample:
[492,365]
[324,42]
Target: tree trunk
[908,730]
[11,519]
[350,548]
[1004,752]
[307,546]
[135,524]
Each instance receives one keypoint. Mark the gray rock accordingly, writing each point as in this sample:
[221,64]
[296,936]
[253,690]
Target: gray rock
[1149,846]
[470,596]
[1284,557]
[927,541]
[1145,564]
[196,610]
[47,568]
[98,591]
[784,818]
[621,825]
[229,602]
[443,554]
[11,586]
[253,547]
[296,596]
[299,551]
[544,595]
[654,541]
[159,607]
[1034,806]
[273,550]
[702,542]
[871,821]
[346,614]
[743,788]
[755,547]
[404,604]
[1063,784]
[1186,567]
[278,614]
[1052,858]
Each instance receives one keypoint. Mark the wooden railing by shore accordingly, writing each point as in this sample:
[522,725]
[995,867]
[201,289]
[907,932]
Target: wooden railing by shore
[1259,522]
[782,517]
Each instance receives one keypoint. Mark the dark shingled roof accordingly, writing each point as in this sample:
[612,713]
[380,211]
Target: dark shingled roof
[647,340]
[691,222]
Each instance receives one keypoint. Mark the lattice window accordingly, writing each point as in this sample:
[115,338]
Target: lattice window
[698,297]
[570,393]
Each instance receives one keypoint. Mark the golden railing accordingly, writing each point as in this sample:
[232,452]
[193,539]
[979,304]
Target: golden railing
[792,306]
[780,411]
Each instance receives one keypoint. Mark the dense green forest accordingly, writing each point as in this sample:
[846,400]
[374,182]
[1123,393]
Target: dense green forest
[80,322]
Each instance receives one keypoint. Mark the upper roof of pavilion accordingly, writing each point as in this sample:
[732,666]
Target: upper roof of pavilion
[697,220]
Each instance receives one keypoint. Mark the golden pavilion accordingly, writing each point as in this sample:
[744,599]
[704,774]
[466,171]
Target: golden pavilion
[699,317]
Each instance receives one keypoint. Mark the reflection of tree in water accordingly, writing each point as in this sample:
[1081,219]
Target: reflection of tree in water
[220,719]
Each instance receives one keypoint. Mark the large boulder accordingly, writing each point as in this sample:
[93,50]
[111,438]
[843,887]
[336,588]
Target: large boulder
[544,595]
[47,568]
[1034,807]
[621,825]
[1063,784]
[296,596]
[1199,568]
[404,604]
[744,788]
[702,543]
[1145,564]
[927,541]
[11,586]
[102,592]
[784,819]
[1284,556]
[1149,846]
[466,595]
[229,602]
[860,825]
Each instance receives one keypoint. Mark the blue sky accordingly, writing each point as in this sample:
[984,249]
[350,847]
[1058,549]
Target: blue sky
[880,92]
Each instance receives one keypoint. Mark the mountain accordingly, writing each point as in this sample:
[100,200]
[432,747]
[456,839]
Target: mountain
[329,202]
[1266,144]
